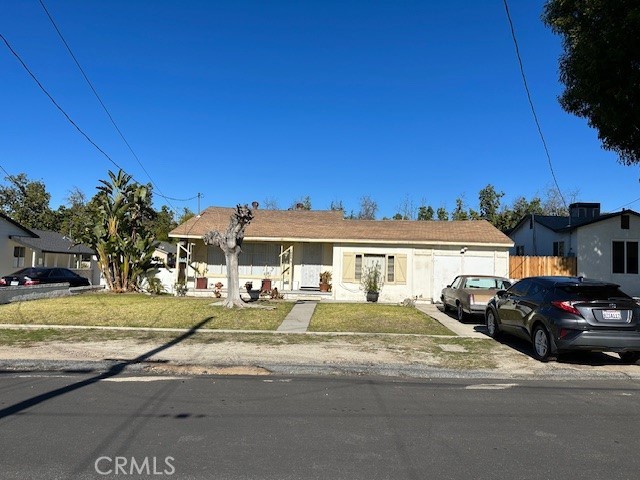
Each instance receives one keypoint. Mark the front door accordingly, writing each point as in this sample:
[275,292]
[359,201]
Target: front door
[311,265]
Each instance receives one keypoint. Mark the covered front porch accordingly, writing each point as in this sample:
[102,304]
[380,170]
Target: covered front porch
[293,268]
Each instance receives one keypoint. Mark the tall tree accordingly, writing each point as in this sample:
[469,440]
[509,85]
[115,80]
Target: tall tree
[118,232]
[185,215]
[161,223]
[336,205]
[73,217]
[230,242]
[442,214]
[600,68]
[459,212]
[489,202]
[368,208]
[27,202]
[425,212]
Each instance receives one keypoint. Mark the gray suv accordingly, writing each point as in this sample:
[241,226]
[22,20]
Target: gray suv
[559,314]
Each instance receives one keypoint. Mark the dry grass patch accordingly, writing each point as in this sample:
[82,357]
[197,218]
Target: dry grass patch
[373,318]
[137,310]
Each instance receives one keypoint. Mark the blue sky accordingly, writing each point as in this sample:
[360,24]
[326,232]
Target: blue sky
[403,101]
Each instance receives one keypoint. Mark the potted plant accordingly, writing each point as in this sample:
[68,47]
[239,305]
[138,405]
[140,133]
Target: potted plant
[325,281]
[266,280]
[372,281]
[201,269]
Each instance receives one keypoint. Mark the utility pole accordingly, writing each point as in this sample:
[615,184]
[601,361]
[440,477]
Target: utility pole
[199,195]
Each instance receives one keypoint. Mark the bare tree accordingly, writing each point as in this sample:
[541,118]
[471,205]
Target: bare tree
[230,242]
[270,203]
[406,209]
[368,208]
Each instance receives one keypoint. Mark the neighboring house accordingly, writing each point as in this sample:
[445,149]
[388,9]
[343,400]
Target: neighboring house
[605,245]
[22,247]
[166,253]
[292,248]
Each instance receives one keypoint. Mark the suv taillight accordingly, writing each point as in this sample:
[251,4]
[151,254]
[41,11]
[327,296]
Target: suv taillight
[566,306]
[3,281]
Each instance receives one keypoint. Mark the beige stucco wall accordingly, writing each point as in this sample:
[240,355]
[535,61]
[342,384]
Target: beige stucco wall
[428,270]
[425,275]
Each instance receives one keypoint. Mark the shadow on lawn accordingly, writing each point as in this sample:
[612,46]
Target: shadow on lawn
[112,372]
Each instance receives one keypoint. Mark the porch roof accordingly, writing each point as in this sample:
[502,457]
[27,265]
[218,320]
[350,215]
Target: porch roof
[327,225]
[51,242]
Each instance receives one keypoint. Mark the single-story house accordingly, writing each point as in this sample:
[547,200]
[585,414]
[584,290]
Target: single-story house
[605,245]
[292,247]
[22,247]
[165,252]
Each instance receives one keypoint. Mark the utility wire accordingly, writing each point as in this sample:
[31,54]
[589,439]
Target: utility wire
[15,54]
[533,110]
[55,26]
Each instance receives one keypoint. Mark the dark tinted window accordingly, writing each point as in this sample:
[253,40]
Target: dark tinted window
[63,272]
[589,293]
[632,257]
[520,288]
[37,273]
[536,291]
[618,257]
[624,222]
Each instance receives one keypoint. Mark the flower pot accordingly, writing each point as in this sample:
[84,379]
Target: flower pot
[266,285]
[372,296]
[325,287]
[201,283]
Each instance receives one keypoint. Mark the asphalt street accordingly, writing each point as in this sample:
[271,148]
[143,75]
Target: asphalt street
[279,427]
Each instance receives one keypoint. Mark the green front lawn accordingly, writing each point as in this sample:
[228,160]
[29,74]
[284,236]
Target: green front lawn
[373,318]
[138,310]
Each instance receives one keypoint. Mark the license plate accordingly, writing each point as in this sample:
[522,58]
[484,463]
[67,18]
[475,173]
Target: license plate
[611,315]
[14,283]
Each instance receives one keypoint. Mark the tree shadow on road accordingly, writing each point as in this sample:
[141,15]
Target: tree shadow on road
[112,372]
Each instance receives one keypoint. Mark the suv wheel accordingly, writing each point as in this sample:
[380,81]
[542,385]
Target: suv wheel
[541,344]
[492,325]
[460,312]
[629,357]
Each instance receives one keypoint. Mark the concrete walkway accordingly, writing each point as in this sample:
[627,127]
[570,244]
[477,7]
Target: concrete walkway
[297,321]
[469,330]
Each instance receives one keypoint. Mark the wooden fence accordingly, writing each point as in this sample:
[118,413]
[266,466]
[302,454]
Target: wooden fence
[520,267]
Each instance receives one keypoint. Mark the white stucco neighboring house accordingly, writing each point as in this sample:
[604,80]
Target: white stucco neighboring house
[605,245]
[22,247]
[292,247]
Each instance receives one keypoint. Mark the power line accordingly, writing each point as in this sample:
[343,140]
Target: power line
[55,26]
[69,119]
[533,110]
[15,54]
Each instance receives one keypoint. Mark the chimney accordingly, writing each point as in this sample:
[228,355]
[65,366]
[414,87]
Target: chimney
[584,210]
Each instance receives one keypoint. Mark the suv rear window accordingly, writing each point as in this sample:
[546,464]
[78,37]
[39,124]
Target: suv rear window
[590,293]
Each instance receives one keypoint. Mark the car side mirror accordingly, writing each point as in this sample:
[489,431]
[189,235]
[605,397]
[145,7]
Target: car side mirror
[448,286]
[501,293]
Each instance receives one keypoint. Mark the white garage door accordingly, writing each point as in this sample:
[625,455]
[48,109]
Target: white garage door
[446,268]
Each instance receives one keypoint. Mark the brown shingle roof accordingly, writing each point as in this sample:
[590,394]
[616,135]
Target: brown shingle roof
[324,225]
